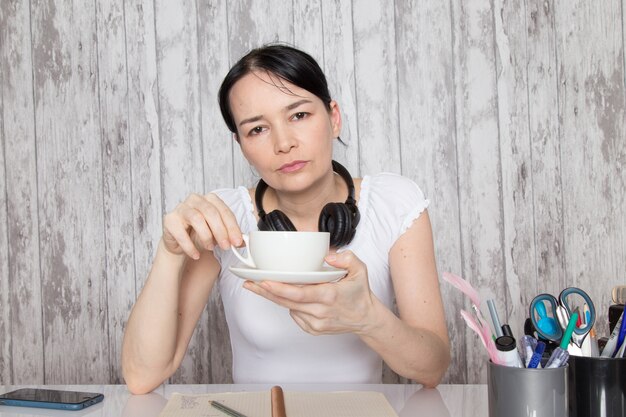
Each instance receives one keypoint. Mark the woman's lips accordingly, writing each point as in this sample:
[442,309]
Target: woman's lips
[292,166]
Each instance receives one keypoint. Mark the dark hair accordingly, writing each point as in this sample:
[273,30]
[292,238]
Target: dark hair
[287,63]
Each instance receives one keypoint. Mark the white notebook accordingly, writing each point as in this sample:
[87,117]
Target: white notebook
[297,404]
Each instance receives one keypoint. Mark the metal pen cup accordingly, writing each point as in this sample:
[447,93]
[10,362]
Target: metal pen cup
[523,392]
[597,387]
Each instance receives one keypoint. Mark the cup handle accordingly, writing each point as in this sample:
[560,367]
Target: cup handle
[248,260]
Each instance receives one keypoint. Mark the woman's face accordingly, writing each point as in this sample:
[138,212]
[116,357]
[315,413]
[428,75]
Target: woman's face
[285,132]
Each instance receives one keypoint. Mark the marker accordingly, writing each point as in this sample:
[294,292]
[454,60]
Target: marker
[567,335]
[621,335]
[529,344]
[494,317]
[536,358]
[558,358]
[507,352]
[611,344]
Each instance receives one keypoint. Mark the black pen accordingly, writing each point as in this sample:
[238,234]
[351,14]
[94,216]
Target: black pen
[227,410]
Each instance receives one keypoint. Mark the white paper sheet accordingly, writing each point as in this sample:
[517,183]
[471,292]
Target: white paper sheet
[297,404]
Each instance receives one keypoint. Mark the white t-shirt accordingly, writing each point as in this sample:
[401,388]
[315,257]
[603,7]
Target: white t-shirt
[268,346]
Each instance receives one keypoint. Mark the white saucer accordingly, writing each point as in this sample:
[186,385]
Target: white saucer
[326,274]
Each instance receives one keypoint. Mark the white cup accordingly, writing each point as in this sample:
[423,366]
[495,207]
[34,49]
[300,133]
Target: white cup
[285,251]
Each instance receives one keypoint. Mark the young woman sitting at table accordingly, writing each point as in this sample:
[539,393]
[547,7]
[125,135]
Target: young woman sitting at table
[276,102]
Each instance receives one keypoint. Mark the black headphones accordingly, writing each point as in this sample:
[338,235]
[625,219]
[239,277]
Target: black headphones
[340,219]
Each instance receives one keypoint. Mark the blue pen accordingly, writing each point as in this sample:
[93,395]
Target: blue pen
[620,337]
[529,344]
[536,358]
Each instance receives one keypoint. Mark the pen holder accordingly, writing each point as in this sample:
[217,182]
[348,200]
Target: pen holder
[597,387]
[523,392]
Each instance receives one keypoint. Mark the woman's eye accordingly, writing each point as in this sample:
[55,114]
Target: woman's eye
[256,130]
[300,115]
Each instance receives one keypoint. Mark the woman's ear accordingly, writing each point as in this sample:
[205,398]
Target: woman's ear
[335,118]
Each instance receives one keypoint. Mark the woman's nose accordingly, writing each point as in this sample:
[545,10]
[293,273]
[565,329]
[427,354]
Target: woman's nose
[284,140]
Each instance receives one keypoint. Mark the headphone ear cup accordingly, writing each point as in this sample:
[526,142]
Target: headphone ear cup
[276,221]
[336,218]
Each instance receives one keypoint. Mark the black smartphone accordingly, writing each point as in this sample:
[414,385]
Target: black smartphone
[50,398]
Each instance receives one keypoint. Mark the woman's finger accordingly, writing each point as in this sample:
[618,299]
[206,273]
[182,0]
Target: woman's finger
[228,219]
[174,226]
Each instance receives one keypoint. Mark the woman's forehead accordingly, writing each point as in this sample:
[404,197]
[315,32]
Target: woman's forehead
[261,89]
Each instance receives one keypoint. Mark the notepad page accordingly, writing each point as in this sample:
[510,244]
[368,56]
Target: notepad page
[297,404]
[338,404]
[251,404]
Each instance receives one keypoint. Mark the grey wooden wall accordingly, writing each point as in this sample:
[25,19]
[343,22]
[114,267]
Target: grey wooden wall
[510,114]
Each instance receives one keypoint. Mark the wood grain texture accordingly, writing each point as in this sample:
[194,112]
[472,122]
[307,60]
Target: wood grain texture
[6,357]
[70,192]
[510,116]
[593,146]
[20,274]
[116,174]
[426,98]
[544,131]
[144,135]
[479,170]
[516,164]
[376,86]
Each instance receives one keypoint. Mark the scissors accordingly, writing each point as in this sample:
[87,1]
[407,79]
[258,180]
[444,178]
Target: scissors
[551,324]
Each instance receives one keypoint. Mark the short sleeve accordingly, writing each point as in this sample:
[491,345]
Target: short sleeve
[395,202]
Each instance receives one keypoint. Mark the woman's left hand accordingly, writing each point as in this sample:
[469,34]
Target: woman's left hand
[330,308]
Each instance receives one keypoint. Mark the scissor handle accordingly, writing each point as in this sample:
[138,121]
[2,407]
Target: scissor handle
[592,311]
[536,307]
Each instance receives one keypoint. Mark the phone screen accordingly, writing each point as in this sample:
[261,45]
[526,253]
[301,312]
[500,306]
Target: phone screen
[47,396]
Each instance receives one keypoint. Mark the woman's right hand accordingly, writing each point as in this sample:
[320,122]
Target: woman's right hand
[200,223]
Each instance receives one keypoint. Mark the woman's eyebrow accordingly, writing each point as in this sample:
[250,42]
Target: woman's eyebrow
[297,103]
[287,108]
[250,120]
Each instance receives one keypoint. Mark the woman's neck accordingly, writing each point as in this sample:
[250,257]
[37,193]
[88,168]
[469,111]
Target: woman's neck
[303,208]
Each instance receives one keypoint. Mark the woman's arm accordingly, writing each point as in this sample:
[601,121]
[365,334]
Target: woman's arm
[164,317]
[176,291]
[415,345]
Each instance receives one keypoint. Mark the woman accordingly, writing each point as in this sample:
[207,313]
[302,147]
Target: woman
[276,102]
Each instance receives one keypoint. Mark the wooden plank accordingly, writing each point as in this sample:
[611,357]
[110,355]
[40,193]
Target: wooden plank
[516,162]
[144,137]
[479,176]
[182,170]
[247,31]
[21,303]
[117,180]
[543,120]
[6,357]
[218,145]
[376,86]
[69,177]
[338,64]
[593,146]
[308,32]
[427,129]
